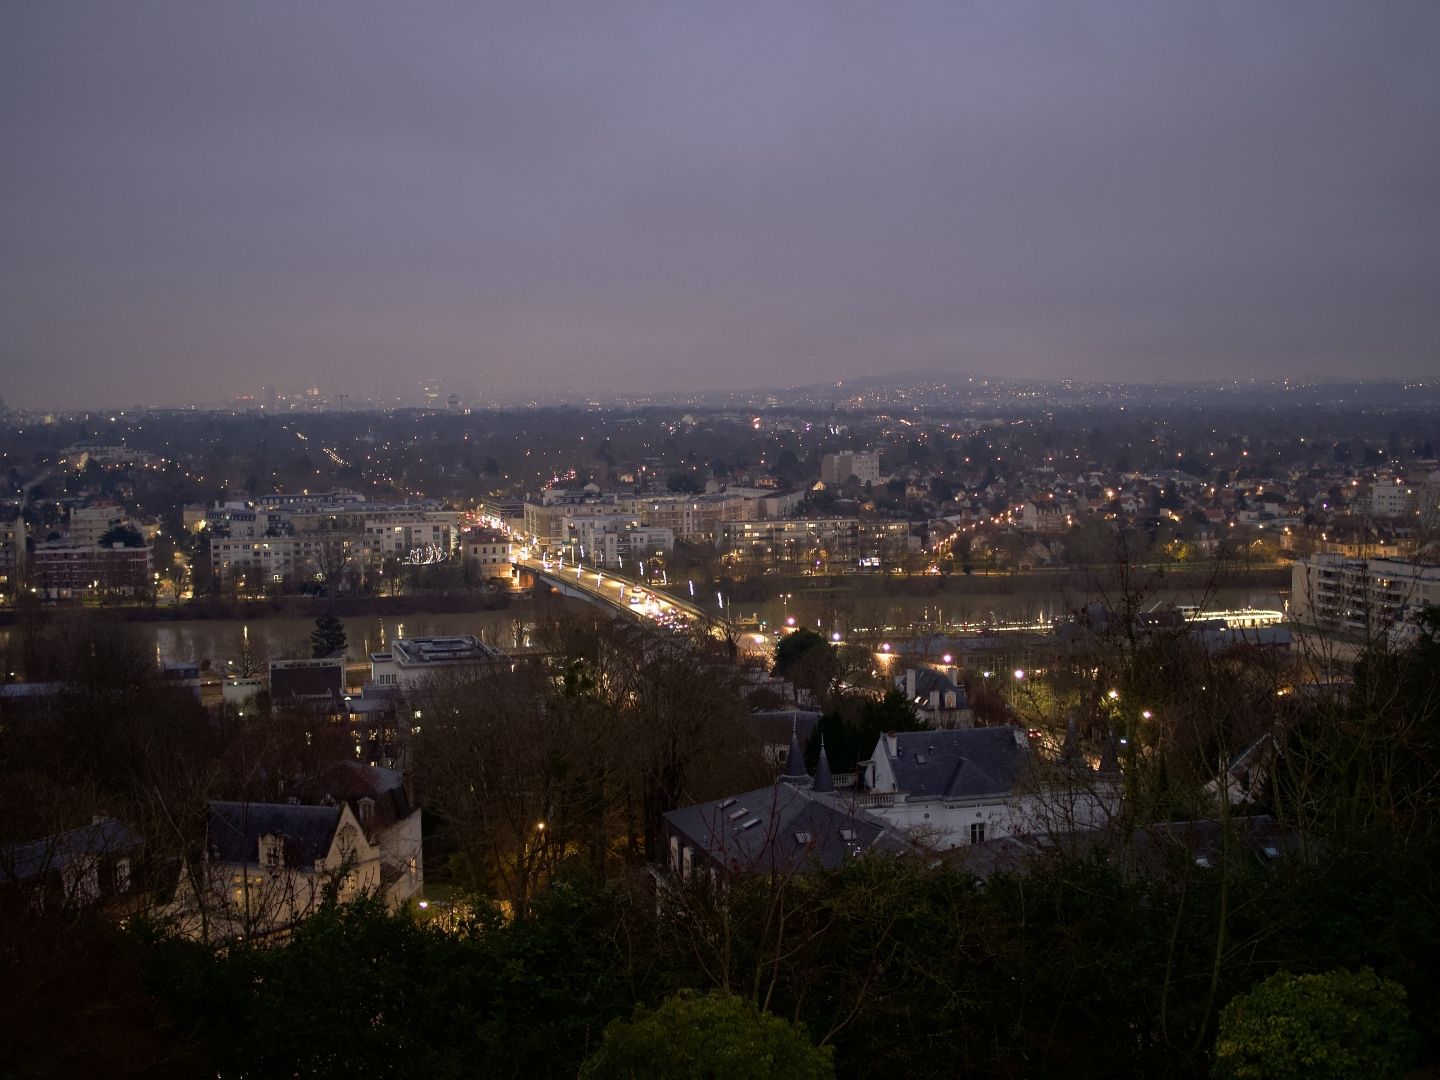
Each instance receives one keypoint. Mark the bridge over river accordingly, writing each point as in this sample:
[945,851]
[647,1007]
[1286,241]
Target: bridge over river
[607,589]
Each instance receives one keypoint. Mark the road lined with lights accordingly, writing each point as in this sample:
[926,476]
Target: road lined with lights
[630,596]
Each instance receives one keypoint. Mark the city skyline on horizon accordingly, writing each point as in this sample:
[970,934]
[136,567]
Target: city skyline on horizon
[440,396]
[641,200]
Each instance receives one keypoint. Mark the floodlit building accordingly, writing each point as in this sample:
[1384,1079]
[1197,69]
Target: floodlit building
[488,553]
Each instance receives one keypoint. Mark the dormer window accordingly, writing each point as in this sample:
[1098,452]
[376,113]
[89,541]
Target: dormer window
[366,806]
[272,849]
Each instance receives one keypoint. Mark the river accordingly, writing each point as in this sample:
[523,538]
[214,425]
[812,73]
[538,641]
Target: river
[217,641]
[956,610]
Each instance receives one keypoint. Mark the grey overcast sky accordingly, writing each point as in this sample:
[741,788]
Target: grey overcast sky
[198,199]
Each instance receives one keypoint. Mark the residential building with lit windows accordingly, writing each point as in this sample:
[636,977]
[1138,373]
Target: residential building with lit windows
[488,553]
[1365,597]
[62,570]
[12,552]
[842,542]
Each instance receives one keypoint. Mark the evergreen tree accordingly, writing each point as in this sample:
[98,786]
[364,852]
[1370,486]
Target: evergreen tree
[328,637]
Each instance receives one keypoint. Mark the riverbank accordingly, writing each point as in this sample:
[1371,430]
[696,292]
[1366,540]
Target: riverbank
[286,607]
[1032,583]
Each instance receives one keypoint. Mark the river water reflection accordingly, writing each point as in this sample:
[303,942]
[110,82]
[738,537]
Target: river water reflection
[218,641]
[954,610]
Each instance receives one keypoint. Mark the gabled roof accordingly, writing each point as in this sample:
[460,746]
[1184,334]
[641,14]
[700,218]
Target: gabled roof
[927,679]
[784,826]
[233,831]
[964,764]
[104,837]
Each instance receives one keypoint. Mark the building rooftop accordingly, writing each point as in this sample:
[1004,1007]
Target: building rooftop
[784,826]
[105,836]
[234,829]
[962,764]
[417,652]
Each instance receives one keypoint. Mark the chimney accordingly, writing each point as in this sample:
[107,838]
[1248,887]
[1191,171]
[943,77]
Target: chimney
[910,683]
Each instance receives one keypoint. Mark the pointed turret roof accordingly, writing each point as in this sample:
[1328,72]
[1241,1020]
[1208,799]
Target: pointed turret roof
[1109,755]
[823,780]
[1070,751]
[795,760]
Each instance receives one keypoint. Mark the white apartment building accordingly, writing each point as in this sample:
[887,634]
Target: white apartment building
[864,465]
[89,523]
[429,540]
[544,521]
[616,540]
[278,558]
[1366,597]
[1392,500]
[871,545]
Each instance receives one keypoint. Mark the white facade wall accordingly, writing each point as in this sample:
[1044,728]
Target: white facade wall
[864,465]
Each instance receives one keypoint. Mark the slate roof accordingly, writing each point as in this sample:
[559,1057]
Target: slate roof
[928,679]
[233,831]
[350,781]
[785,826]
[964,764]
[105,837]
[1151,849]
[27,690]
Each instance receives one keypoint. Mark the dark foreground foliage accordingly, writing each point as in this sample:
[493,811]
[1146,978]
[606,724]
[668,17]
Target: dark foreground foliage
[1077,969]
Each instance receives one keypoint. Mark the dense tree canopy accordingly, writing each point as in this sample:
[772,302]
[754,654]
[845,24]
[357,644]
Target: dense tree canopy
[1329,1026]
[715,1036]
